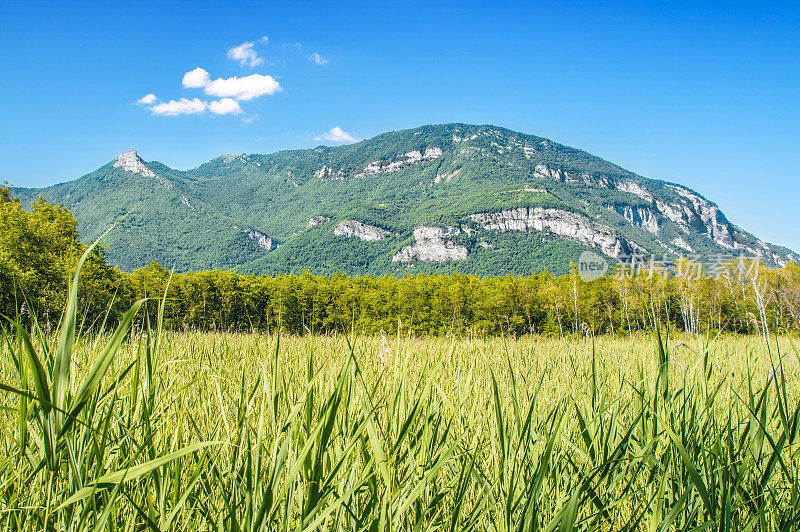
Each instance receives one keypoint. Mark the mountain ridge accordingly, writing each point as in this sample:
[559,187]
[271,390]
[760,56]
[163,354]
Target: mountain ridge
[452,197]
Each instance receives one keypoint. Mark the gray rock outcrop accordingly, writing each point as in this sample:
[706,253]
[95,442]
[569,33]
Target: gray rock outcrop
[559,222]
[316,220]
[356,229]
[432,244]
[262,240]
[639,215]
[131,162]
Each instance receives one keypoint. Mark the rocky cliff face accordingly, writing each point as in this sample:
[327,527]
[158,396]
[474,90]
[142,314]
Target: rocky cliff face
[433,244]
[746,242]
[689,211]
[557,174]
[639,216]
[354,228]
[262,240]
[131,162]
[693,215]
[700,214]
[387,165]
[558,222]
[398,163]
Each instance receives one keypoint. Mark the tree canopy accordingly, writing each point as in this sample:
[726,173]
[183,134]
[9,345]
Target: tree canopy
[39,249]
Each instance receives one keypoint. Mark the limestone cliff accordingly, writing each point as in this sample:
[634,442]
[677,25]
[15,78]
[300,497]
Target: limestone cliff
[356,229]
[558,222]
[432,244]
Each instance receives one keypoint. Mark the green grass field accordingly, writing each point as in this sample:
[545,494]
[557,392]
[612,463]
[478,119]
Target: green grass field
[187,431]
[244,432]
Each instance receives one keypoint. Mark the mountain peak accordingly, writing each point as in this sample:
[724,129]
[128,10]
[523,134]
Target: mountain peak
[131,162]
[479,198]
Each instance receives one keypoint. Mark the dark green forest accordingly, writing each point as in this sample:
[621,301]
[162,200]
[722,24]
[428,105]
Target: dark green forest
[39,249]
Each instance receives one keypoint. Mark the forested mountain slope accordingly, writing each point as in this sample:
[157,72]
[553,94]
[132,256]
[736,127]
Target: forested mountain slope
[476,199]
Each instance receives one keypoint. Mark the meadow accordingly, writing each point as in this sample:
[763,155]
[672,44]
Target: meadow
[199,431]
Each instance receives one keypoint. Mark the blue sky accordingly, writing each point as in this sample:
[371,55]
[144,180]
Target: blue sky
[703,94]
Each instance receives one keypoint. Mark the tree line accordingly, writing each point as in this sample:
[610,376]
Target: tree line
[39,249]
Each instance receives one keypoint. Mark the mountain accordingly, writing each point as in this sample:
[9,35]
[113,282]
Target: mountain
[454,197]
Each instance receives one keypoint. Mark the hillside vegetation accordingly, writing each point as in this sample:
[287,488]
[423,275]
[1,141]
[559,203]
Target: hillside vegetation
[39,249]
[509,203]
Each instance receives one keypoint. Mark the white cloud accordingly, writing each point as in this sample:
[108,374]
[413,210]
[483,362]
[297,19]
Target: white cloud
[318,59]
[229,91]
[196,106]
[225,106]
[264,39]
[147,99]
[195,79]
[244,88]
[247,120]
[180,107]
[336,134]
[245,54]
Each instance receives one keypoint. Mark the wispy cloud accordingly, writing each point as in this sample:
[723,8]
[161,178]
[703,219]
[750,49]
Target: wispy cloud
[318,59]
[183,106]
[247,120]
[196,106]
[336,134]
[245,54]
